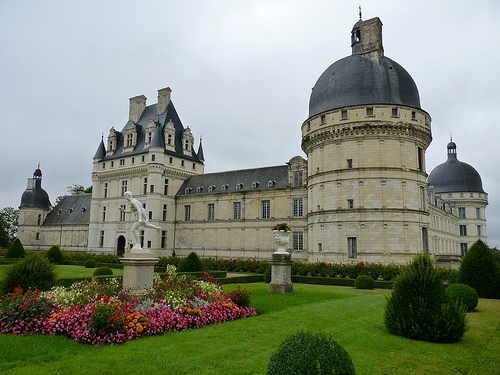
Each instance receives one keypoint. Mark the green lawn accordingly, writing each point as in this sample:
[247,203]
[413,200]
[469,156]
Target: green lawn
[64,272]
[353,317]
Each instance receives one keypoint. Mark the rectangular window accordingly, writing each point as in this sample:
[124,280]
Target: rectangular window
[182,163]
[463,248]
[478,213]
[369,111]
[323,119]
[413,115]
[133,160]
[122,162]
[151,188]
[187,212]
[143,158]
[153,157]
[194,165]
[124,186]
[150,215]
[112,164]
[479,232]
[461,212]
[39,219]
[37,236]
[343,114]
[425,239]
[101,239]
[164,214]
[422,198]
[297,207]
[463,230]
[163,239]
[145,186]
[352,247]
[165,187]
[104,214]
[170,160]
[266,209]
[105,190]
[298,241]
[211,211]
[350,203]
[298,178]
[421,158]
[142,238]
[237,210]
[122,214]
[349,163]
[395,112]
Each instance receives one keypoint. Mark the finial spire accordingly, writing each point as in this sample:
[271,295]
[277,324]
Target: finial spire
[360,13]
[451,138]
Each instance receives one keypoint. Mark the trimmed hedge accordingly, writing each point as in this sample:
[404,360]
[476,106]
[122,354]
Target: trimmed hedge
[364,282]
[242,279]
[462,294]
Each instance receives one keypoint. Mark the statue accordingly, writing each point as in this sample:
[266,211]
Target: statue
[141,218]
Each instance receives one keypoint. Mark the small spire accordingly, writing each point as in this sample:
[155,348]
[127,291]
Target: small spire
[451,138]
[360,18]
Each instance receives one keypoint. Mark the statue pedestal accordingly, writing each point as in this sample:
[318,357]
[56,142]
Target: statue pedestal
[281,274]
[138,270]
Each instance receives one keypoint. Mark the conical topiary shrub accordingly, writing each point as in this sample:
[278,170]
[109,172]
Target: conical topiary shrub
[419,308]
[16,250]
[191,263]
[480,270]
[55,255]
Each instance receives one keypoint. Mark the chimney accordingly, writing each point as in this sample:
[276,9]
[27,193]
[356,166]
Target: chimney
[163,100]
[137,105]
[367,39]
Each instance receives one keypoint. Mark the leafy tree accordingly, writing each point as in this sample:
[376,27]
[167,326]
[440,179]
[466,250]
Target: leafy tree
[9,217]
[74,189]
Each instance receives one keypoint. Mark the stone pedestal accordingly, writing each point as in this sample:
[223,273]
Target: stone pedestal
[281,274]
[138,270]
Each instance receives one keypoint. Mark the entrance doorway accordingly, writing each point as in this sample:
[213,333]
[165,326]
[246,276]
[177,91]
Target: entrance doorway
[120,246]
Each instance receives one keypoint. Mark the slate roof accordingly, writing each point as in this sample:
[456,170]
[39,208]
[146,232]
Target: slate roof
[158,139]
[278,175]
[71,210]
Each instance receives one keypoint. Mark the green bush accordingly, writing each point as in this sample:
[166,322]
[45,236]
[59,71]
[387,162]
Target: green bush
[90,263]
[34,271]
[191,263]
[267,274]
[55,255]
[364,282]
[103,271]
[310,353]
[463,294]
[480,271]
[419,308]
[16,250]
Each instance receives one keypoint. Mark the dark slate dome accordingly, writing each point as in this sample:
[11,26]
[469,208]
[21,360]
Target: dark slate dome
[454,175]
[34,196]
[365,77]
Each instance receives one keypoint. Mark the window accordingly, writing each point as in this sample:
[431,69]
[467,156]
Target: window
[463,230]
[153,157]
[298,178]
[129,140]
[199,189]
[182,163]
[163,239]
[255,184]
[187,190]
[461,195]
[463,248]
[320,247]
[478,213]
[170,160]
[103,165]
[349,163]
[142,238]
[298,241]
[297,207]
[169,139]
[471,195]
[239,185]
[223,187]
[211,188]
[237,210]
[369,111]
[187,212]
[122,214]
[211,212]
[133,160]
[145,186]
[101,239]
[343,114]
[150,215]
[112,164]
[479,232]
[122,162]
[422,198]
[352,247]
[37,236]
[266,209]
[421,158]
[323,119]
[461,212]
[413,115]
[39,219]
[270,183]
[164,213]
[350,203]
[149,245]
[151,188]
[104,214]
[194,165]
[425,239]
[124,186]
[395,112]
[143,158]
[165,187]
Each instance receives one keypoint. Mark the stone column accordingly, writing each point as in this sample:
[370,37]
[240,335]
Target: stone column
[138,271]
[281,274]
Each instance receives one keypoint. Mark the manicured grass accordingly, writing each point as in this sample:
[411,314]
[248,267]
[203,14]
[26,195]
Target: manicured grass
[354,317]
[64,271]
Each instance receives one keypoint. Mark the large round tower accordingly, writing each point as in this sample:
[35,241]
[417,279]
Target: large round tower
[365,140]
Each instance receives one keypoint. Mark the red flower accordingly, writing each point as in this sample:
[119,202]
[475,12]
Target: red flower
[105,299]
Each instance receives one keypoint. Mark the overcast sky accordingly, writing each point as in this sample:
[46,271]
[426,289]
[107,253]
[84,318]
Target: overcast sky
[241,74]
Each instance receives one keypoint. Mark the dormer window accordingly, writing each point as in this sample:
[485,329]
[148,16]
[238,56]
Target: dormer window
[224,187]
[169,134]
[130,135]
[271,183]
[239,185]
[211,188]
[255,184]
[187,141]
[199,189]
[188,190]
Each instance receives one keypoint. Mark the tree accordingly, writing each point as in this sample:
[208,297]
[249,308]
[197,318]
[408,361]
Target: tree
[9,217]
[74,189]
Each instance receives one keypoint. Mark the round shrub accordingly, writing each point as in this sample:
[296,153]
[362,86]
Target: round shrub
[419,308]
[90,263]
[310,353]
[480,271]
[463,294]
[191,263]
[54,255]
[16,250]
[103,271]
[34,271]
[364,282]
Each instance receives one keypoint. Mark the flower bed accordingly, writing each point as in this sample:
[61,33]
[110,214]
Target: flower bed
[100,312]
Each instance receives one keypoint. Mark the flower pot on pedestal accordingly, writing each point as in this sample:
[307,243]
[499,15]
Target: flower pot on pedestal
[281,238]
